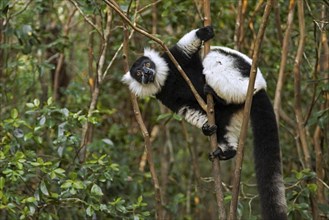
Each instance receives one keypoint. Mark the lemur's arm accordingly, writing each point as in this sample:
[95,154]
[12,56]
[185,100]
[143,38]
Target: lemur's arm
[191,43]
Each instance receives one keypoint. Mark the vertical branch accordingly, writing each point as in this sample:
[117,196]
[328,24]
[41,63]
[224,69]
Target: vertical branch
[1,49]
[246,112]
[297,86]
[87,127]
[319,133]
[284,55]
[211,121]
[239,24]
[276,8]
[61,59]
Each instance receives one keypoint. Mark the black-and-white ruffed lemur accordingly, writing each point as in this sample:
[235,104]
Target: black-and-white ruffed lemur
[225,74]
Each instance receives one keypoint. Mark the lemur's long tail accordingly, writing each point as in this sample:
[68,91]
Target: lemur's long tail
[267,158]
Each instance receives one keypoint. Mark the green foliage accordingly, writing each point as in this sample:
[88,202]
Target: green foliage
[39,177]
[299,192]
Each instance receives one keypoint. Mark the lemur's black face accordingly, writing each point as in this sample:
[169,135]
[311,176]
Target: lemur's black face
[143,70]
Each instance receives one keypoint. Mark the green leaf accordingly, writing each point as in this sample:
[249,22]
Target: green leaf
[50,101]
[42,120]
[146,213]
[14,113]
[299,175]
[59,171]
[96,190]
[43,188]
[164,116]
[30,105]
[54,195]
[2,182]
[89,211]
[36,102]
[65,112]
[177,117]
[78,184]
[121,208]
[29,200]
[140,199]
[67,184]
[312,187]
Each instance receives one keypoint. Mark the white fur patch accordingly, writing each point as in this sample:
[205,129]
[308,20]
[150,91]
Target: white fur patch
[280,199]
[189,43]
[225,78]
[194,117]
[233,129]
[161,68]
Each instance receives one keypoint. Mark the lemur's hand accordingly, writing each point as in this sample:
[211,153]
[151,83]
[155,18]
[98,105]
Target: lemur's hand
[208,130]
[205,33]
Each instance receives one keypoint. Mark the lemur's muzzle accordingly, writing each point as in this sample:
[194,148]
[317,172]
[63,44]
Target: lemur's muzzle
[148,76]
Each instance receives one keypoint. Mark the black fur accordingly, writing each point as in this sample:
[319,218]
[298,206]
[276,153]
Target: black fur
[267,155]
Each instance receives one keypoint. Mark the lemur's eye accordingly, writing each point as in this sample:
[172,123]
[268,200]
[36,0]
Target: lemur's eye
[139,73]
[148,65]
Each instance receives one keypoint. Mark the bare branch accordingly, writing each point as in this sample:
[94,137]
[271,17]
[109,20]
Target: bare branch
[86,18]
[284,56]
[87,128]
[297,86]
[211,121]
[61,58]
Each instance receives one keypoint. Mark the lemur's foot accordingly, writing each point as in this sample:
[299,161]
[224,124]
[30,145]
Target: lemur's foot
[208,130]
[205,33]
[222,155]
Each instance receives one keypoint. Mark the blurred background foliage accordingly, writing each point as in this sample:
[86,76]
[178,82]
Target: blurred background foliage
[49,57]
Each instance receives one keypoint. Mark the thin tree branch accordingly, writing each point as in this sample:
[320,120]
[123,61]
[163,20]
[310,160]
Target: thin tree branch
[211,121]
[153,4]
[246,113]
[87,19]
[238,26]
[276,8]
[284,56]
[112,4]
[318,136]
[297,86]
[87,127]
[61,58]
[20,11]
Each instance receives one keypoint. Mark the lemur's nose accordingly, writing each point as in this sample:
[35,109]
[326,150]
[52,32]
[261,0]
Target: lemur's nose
[148,71]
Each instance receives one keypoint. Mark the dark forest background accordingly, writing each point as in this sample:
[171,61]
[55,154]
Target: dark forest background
[70,146]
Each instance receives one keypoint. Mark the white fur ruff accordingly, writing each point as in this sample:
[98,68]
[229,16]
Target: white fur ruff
[225,79]
[161,68]
[192,116]
[189,43]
